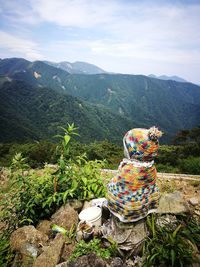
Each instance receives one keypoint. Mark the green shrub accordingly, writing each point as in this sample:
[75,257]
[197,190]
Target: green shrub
[190,165]
[166,247]
[167,168]
[167,155]
[36,153]
[94,246]
[6,255]
[35,195]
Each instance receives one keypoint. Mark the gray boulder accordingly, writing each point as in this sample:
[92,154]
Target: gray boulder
[194,201]
[65,217]
[90,260]
[26,256]
[173,203]
[51,256]
[44,227]
[27,234]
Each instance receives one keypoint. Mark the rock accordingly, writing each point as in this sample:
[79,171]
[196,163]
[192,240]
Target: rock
[116,262]
[90,260]
[27,234]
[67,251]
[172,203]
[95,261]
[26,256]
[87,204]
[136,263]
[168,221]
[63,264]
[194,201]
[65,217]
[80,262]
[197,212]
[76,204]
[128,236]
[51,256]
[99,263]
[44,227]
[29,250]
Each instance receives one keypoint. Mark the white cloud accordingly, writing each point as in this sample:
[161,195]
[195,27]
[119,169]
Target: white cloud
[68,13]
[19,46]
[135,29]
[76,13]
[115,49]
[162,32]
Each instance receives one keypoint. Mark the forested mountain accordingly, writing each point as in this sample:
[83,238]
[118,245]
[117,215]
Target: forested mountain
[167,104]
[77,67]
[34,113]
[165,77]
[36,73]
[135,99]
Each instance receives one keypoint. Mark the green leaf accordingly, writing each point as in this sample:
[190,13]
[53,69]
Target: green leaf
[84,180]
[59,229]
[176,231]
[67,139]
[153,257]
[65,196]
[26,220]
[173,255]
[74,184]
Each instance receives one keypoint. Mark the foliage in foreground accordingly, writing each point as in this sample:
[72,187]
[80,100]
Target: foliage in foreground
[94,246]
[183,157]
[34,195]
[167,246]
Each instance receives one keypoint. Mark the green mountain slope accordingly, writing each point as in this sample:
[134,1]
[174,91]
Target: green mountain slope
[36,73]
[170,105]
[165,77]
[77,67]
[33,113]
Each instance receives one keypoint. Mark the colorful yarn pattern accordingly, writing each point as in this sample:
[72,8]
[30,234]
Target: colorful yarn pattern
[139,145]
[133,193]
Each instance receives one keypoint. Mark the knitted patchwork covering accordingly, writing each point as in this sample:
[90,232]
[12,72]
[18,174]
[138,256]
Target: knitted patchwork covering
[141,144]
[132,193]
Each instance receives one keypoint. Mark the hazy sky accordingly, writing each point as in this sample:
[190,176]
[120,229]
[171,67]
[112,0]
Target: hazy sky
[127,36]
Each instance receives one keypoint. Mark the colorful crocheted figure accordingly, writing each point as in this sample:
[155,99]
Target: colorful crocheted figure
[132,193]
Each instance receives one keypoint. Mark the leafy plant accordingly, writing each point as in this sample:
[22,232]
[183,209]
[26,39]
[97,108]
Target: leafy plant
[6,255]
[35,195]
[68,133]
[19,163]
[190,229]
[69,234]
[190,165]
[168,248]
[83,248]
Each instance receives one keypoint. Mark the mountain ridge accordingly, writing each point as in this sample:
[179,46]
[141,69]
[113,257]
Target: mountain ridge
[78,67]
[165,77]
[142,100]
[33,113]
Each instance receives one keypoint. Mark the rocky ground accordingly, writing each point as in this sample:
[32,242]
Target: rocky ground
[40,247]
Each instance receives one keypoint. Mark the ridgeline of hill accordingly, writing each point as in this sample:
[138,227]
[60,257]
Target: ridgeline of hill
[33,113]
[35,98]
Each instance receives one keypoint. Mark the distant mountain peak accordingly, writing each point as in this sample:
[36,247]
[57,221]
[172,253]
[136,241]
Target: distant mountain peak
[78,67]
[165,77]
